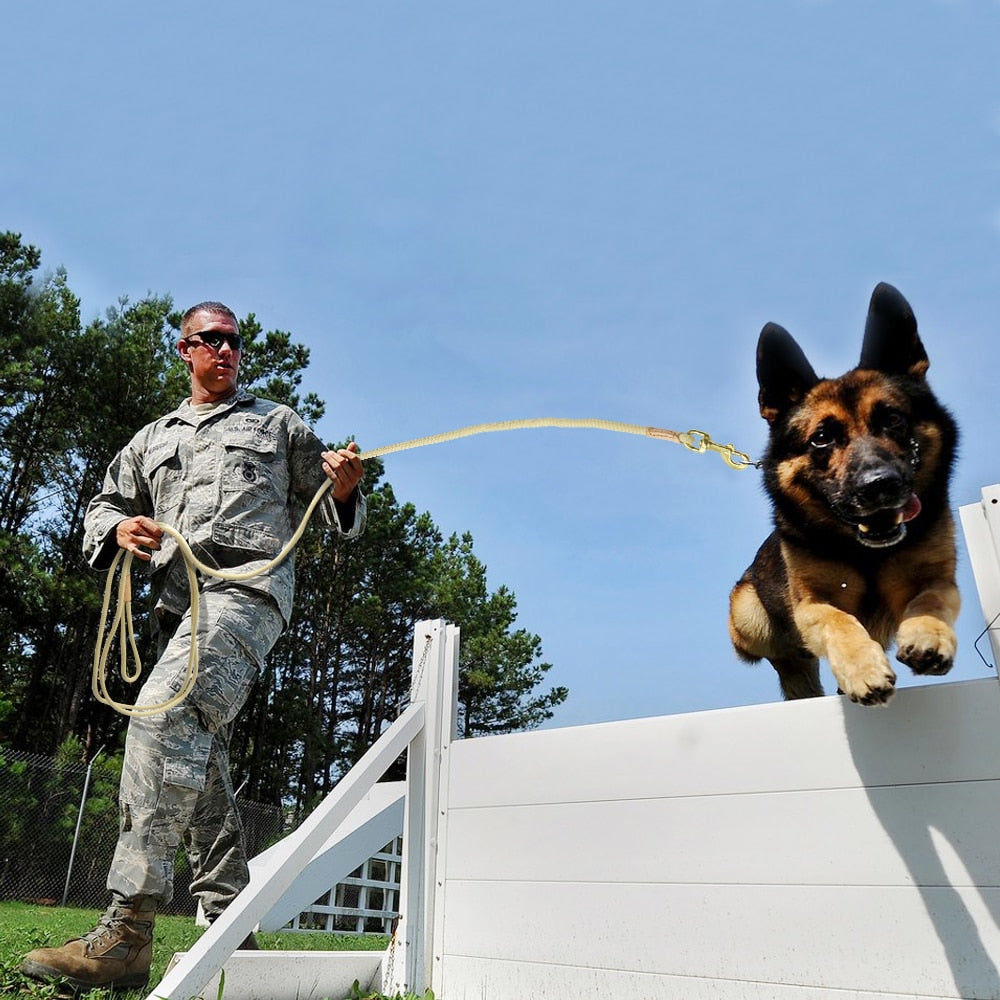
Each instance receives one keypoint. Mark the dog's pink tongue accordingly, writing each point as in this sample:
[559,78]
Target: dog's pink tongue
[912,507]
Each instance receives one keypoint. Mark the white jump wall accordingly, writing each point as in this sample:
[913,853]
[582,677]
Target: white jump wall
[808,849]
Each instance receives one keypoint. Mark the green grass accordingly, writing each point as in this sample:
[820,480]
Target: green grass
[24,926]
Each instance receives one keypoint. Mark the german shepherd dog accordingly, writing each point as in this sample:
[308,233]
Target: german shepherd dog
[863,548]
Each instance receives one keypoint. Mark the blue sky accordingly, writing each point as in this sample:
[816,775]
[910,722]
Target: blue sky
[497,210]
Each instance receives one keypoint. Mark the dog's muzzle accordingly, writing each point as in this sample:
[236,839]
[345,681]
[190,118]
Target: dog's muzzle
[887,527]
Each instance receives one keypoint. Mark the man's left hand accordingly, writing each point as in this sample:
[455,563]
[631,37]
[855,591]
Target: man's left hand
[343,469]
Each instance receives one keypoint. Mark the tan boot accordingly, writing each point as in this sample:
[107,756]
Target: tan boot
[116,953]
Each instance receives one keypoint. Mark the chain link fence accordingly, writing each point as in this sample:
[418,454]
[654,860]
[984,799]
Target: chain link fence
[59,825]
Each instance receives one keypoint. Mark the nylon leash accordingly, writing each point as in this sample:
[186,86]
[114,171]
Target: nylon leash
[121,623]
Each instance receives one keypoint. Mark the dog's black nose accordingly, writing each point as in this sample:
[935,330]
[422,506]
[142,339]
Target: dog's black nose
[880,486]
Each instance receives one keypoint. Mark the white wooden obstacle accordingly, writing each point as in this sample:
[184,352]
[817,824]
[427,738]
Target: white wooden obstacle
[422,730]
[378,820]
[981,526]
[812,849]
[364,901]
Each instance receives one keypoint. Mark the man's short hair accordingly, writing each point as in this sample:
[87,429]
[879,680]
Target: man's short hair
[216,308]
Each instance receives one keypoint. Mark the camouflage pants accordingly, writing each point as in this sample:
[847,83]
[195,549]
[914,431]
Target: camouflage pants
[175,782]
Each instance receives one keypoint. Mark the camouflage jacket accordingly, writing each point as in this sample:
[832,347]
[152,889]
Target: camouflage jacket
[232,481]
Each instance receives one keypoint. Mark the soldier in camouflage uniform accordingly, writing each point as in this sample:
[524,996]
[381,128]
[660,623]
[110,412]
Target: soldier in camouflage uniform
[224,469]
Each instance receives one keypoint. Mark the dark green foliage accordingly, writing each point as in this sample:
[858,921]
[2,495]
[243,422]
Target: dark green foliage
[498,668]
[42,797]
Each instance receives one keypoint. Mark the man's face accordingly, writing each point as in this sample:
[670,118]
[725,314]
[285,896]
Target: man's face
[214,360]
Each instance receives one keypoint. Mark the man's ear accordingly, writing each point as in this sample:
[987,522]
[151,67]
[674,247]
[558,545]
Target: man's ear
[184,351]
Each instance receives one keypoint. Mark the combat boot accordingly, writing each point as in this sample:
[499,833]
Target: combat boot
[116,953]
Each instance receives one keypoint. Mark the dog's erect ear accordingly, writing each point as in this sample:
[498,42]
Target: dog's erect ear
[783,373]
[891,343]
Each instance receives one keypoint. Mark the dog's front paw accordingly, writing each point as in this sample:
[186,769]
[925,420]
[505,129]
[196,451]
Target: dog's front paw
[926,645]
[868,679]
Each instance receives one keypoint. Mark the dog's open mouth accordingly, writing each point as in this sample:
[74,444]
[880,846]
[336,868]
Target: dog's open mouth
[887,527]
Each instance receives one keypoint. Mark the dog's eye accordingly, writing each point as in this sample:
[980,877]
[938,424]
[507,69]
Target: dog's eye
[896,423]
[822,437]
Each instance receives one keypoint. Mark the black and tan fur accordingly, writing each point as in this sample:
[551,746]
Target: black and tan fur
[863,549]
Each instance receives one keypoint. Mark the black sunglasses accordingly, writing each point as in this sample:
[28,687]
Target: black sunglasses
[215,340]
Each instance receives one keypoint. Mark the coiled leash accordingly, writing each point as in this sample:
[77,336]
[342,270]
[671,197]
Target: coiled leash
[121,624]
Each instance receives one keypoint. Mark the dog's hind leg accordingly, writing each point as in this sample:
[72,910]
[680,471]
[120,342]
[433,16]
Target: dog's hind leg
[799,676]
[749,623]
[757,635]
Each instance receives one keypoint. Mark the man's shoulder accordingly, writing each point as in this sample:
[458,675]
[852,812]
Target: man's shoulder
[157,426]
[264,417]
[247,402]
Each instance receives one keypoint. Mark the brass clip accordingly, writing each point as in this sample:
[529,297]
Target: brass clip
[700,442]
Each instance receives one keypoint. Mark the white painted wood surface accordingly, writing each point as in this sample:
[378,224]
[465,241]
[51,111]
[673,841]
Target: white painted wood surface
[408,962]
[981,525]
[538,981]
[814,848]
[291,975]
[377,819]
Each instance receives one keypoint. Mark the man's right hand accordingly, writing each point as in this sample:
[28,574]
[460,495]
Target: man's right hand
[136,534]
